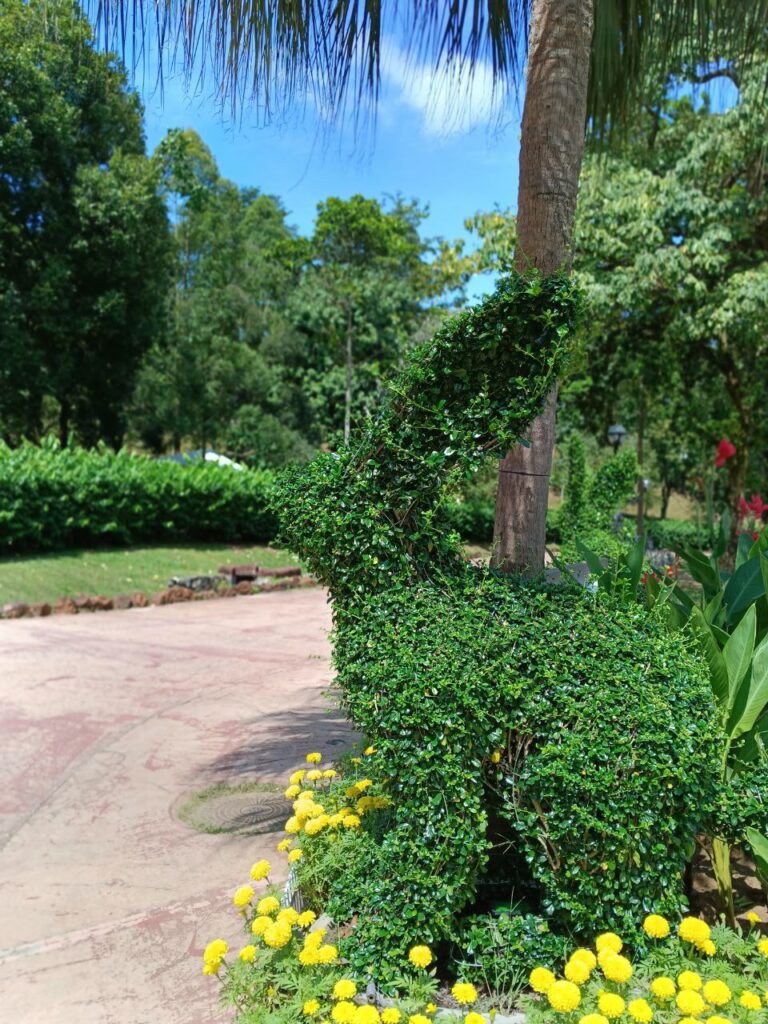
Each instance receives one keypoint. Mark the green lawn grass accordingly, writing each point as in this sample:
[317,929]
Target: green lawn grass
[47,577]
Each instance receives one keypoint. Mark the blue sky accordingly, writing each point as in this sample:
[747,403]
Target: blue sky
[451,144]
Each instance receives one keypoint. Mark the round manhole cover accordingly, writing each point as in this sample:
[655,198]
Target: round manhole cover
[241,810]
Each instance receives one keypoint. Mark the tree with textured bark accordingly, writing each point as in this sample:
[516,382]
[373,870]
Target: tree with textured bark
[586,62]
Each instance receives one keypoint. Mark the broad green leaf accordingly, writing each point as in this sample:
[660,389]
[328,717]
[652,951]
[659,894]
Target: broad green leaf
[759,844]
[757,695]
[737,654]
[593,561]
[743,549]
[743,589]
[713,606]
[718,672]
[701,568]
[635,562]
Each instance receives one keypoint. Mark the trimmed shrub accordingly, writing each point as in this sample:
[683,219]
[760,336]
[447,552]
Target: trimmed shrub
[671,533]
[607,743]
[53,497]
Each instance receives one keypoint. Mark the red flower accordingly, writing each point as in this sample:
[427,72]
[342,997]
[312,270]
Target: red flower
[756,505]
[725,451]
[744,507]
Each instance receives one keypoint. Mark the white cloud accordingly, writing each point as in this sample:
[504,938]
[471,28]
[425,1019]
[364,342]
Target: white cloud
[452,101]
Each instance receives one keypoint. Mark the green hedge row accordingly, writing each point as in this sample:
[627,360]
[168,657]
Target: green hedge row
[668,533]
[53,497]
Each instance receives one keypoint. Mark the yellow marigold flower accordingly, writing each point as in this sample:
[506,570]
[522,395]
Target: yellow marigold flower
[418,1018]
[316,825]
[314,758]
[306,919]
[663,989]
[763,946]
[213,956]
[577,971]
[295,856]
[586,956]
[640,1011]
[367,1015]
[369,750]
[656,926]
[610,1005]
[689,980]
[420,956]
[693,930]
[717,992]
[391,1015]
[247,954]
[689,1020]
[753,918]
[315,775]
[708,947]
[362,784]
[293,825]
[365,803]
[330,773]
[718,1020]
[315,938]
[277,935]
[260,870]
[496,756]
[357,760]
[311,1007]
[288,915]
[345,988]
[260,924]
[268,905]
[541,979]
[474,1018]
[430,1008]
[307,957]
[750,1001]
[689,1003]
[284,844]
[327,954]
[617,968]
[608,940]
[297,777]
[593,1018]
[351,821]
[464,993]
[343,1012]
[243,896]
[564,996]
[292,792]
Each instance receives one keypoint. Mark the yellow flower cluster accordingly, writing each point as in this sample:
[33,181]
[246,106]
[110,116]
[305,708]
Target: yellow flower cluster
[213,956]
[420,956]
[688,993]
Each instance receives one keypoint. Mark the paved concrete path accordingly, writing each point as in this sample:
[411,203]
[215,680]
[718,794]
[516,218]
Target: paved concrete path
[107,721]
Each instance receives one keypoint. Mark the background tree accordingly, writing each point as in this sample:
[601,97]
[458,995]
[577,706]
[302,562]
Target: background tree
[83,230]
[274,50]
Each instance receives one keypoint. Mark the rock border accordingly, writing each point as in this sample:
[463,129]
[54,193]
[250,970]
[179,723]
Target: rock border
[286,578]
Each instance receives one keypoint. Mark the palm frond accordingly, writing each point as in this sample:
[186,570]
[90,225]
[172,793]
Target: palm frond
[274,52]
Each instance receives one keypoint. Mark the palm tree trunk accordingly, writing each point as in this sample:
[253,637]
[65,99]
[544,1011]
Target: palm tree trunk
[551,153]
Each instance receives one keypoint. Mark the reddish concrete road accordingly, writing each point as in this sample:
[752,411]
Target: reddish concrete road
[106,721]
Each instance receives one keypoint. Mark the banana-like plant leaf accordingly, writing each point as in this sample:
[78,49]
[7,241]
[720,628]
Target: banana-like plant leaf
[713,606]
[759,844]
[757,695]
[743,589]
[737,654]
[702,569]
[743,549]
[593,561]
[718,672]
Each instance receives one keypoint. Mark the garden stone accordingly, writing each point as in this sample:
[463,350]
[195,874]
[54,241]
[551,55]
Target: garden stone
[100,603]
[244,587]
[39,609]
[139,600]
[65,606]
[198,583]
[121,602]
[173,595]
[14,610]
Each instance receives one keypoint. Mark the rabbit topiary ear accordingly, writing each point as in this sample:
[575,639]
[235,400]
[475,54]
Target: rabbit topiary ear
[370,516]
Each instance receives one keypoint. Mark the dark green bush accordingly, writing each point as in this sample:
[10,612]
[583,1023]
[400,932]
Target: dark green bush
[53,497]
[603,720]
[608,769]
[472,518]
[671,533]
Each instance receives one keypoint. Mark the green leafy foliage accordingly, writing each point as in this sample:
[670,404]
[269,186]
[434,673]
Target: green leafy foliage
[53,497]
[604,733]
[370,516]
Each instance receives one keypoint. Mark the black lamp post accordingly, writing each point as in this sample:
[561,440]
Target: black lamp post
[616,434]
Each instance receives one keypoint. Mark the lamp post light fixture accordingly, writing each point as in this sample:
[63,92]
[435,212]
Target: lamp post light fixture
[616,434]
